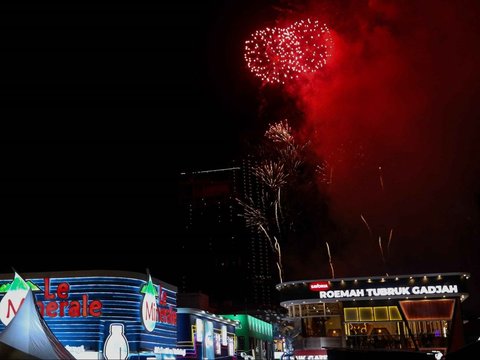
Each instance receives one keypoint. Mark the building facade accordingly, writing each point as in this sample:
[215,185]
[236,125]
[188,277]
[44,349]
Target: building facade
[100,314]
[217,242]
[254,337]
[409,312]
[204,335]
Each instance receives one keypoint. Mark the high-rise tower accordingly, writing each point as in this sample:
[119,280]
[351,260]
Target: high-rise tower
[230,262]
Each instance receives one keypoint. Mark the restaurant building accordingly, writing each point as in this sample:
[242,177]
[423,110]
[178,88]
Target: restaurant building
[411,312]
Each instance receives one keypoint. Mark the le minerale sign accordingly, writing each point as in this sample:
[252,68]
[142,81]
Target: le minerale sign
[389,291]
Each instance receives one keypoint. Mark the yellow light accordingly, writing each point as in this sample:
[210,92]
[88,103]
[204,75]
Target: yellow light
[394,313]
[350,314]
[381,313]
[365,314]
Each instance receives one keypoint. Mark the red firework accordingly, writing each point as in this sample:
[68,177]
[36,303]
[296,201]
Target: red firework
[279,54]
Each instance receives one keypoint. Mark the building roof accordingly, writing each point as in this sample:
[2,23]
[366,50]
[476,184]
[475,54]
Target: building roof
[90,273]
[413,286]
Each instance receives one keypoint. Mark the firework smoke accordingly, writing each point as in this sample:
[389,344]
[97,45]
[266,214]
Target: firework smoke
[402,92]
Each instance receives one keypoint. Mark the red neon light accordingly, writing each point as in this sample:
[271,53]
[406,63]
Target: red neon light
[72,308]
[319,286]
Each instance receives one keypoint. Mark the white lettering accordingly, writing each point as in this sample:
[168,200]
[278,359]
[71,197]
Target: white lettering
[389,291]
[170,351]
[453,289]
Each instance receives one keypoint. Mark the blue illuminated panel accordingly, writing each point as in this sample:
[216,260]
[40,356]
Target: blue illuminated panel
[80,310]
[201,337]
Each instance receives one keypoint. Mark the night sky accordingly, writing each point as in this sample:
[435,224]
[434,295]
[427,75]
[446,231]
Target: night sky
[103,106]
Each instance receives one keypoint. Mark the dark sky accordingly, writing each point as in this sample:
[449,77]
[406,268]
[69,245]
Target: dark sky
[103,106]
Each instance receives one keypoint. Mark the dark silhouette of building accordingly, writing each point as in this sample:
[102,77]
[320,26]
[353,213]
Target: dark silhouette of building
[221,256]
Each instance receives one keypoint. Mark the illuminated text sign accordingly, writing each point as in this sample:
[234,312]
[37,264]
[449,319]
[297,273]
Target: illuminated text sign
[57,303]
[319,286]
[390,291]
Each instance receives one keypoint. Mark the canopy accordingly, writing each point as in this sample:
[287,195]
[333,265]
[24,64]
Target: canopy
[28,333]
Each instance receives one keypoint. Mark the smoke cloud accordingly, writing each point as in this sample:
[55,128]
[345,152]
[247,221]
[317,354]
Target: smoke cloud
[395,115]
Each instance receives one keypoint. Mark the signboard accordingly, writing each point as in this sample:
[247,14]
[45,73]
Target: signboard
[319,286]
[381,292]
[205,336]
[208,350]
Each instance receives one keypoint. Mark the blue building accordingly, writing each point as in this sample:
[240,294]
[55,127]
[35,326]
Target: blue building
[95,314]
[203,335]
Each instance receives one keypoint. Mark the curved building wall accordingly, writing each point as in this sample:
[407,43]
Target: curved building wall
[82,308]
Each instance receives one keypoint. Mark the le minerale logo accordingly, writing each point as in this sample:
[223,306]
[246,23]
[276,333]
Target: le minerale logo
[153,312]
[57,302]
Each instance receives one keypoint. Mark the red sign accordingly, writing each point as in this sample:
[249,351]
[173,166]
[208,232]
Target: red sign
[64,306]
[58,304]
[319,286]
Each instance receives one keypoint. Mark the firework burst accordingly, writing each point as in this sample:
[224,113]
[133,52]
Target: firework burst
[324,172]
[280,132]
[279,54]
[271,174]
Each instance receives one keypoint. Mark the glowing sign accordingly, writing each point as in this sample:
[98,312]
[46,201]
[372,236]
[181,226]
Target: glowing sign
[169,351]
[153,312]
[116,345]
[199,327]
[224,335]
[13,299]
[319,286]
[149,307]
[57,302]
[218,347]
[389,291]
[231,346]
[208,341]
